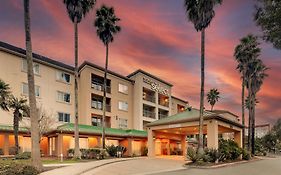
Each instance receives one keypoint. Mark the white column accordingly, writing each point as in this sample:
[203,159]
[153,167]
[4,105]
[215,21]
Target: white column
[150,143]
[212,134]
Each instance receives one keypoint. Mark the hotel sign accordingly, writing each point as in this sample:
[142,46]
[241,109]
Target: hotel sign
[156,86]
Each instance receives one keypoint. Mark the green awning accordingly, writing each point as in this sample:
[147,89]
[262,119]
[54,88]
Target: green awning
[9,128]
[88,129]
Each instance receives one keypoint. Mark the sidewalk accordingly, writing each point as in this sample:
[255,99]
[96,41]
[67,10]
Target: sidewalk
[79,168]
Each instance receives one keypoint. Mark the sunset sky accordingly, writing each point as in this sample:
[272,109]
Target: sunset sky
[156,37]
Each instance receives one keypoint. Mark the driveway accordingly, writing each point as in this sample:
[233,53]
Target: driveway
[262,167]
[139,166]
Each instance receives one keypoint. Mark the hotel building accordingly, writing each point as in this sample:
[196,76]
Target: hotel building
[132,102]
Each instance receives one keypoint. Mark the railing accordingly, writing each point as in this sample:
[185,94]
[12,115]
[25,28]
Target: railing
[162,115]
[163,103]
[150,98]
[99,87]
[149,114]
[98,106]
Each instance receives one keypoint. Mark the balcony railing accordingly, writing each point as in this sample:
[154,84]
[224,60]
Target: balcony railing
[162,115]
[150,98]
[99,87]
[149,114]
[97,105]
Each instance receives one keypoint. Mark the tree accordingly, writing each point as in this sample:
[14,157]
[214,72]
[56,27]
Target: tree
[20,108]
[35,146]
[201,13]
[256,75]
[77,9]
[245,52]
[267,16]
[4,95]
[106,26]
[247,102]
[213,97]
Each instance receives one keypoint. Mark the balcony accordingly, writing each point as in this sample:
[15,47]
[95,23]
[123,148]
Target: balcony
[97,103]
[162,114]
[148,95]
[97,121]
[180,108]
[163,100]
[149,111]
[97,83]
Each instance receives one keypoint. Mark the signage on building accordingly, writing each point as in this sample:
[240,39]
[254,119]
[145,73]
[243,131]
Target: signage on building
[156,86]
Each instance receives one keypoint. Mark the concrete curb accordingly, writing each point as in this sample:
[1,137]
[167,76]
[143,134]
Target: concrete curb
[221,165]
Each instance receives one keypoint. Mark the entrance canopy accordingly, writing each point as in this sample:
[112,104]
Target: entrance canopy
[176,128]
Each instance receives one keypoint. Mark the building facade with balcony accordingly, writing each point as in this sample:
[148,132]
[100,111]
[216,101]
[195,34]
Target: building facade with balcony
[131,102]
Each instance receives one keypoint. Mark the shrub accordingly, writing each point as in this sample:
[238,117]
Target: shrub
[213,155]
[17,169]
[229,150]
[246,155]
[70,152]
[111,150]
[1,152]
[192,154]
[84,153]
[144,151]
[24,155]
[12,151]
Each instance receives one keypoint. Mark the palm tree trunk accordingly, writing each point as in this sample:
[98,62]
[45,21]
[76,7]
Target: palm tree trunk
[212,107]
[16,130]
[243,110]
[35,146]
[253,124]
[104,98]
[250,117]
[200,143]
[77,153]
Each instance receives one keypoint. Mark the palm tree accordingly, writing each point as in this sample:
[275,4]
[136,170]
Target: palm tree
[35,146]
[4,95]
[201,13]
[106,26]
[213,97]
[20,109]
[247,102]
[77,9]
[244,53]
[256,75]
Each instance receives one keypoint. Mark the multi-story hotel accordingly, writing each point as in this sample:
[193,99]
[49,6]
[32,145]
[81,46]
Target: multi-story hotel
[131,102]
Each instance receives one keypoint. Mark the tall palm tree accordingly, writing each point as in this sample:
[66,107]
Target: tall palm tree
[35,146]
[77,9]
[20,108]
[256,75]
[247,102]
[201,13]
[106,26]
[245,52]
[213,97]
[4,95]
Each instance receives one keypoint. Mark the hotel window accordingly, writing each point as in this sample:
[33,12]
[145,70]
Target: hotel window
[64,77]
[123,123]
[63,97]
[123,106]
[63,117]
[36,68]
[123,88]
[25,90]
[96,121]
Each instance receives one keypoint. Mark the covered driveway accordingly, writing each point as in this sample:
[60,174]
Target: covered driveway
[170,135]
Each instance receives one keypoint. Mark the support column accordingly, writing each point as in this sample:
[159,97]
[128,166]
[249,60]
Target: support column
[238,138]
[183,145]
[99,142]
[168,148]
[60,145]
[6,144]
[130,147]
[150,143]
[212,134]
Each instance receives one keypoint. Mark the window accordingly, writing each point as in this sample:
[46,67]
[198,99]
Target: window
[36,69]
[25,90]
[63,117]
[96,121]
[123,105]
[123,88]
[123,123]
[63,97]
[64,77]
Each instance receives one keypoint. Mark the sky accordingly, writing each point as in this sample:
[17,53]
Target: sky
[156,37]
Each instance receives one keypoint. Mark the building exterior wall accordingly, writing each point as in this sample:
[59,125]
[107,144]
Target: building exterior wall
[12,73]
[178,105]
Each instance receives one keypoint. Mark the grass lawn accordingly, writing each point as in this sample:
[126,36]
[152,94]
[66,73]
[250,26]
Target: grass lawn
[65,161]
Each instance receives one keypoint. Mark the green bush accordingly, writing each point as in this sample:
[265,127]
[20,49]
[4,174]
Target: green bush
[229,150]
[246,155]
[17,169]
[213,155]
[192,154]
[1,152]
[144,151]
[111,150]
[24,155]
[84,153]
